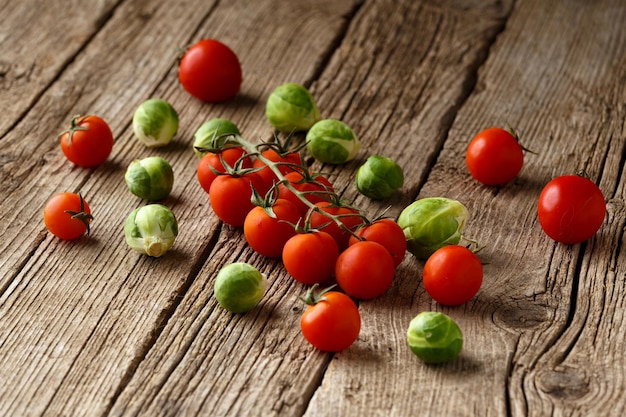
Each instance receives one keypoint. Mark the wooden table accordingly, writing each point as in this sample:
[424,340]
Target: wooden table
[91,328]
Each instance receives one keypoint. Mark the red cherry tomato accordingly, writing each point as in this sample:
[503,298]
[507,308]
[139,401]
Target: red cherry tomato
[230,196]
[67,216]
[210,71]
[268,175]
[212,160]
[310,257]
[452,275]
[316,189]
[349,217]
[332,322]
[88,142]
[267,235]
[365,270]
[494,156]
[387,233]
[571,209]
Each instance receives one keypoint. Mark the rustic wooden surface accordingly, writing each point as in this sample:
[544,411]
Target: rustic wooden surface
[91,328]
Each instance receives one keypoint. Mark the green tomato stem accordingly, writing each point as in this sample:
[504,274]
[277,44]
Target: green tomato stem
[273,166]
[81,215]
[313,297]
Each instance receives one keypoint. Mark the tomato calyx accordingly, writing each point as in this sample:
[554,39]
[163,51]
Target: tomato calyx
[74,126]
[266,202]
[313,296]
[234,170]
[282,148]
[515,135]
[81,215]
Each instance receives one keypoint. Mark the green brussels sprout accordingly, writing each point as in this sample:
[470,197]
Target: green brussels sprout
[155,122]
[239,287]
[150,178]
[434,337]
[151,229]
[332,142]
[379,177]
[291,108]
[213,129]
[431,223]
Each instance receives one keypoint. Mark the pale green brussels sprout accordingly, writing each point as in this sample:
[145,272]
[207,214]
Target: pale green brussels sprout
[379,177]
[291,108]
[151,229]
[155,123]
[239,287]
[434,337]
[431,223]
[150,178]
[213,134]
[332,142]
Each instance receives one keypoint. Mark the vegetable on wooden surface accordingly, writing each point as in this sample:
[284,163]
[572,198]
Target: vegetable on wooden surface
[151,229]
[150,178]
[332,321]
[434,337]
[332,142]
[155,123]
[67,215]
[431,223]
[210,71]
[88,142]
[291,108]
[239,287]
[379,177]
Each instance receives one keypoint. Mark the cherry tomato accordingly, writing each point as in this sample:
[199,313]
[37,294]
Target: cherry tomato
[267,235]
[88,142]
[230,196]
[365,270]
[230,155]
[387,233]
[210,71]
[315,187]
[571,209]
[332,321]
[268,175]
[494,156]
[452,275]
[67,216]
[310,257]
[349,217]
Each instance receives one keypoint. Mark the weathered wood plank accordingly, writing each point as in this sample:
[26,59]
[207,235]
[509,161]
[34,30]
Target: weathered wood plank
[209,362]
[32,58]
[89,327]
[540,336]
[78,317]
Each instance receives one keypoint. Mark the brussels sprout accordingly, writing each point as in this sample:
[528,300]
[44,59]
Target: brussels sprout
[210,131]
[291,108]
[155,122]
[332,142]
[431,223]
[150,178]
[239,287]
[151,229]
[379,177]
[434,337]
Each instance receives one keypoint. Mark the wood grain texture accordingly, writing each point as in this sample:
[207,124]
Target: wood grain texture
[32,58]
[81,324]
[90,328]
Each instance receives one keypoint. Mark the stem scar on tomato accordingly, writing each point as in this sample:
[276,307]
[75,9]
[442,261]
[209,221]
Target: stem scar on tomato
[81,215]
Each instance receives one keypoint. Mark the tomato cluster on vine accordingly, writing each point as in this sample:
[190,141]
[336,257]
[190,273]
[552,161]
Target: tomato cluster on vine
[291,213]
